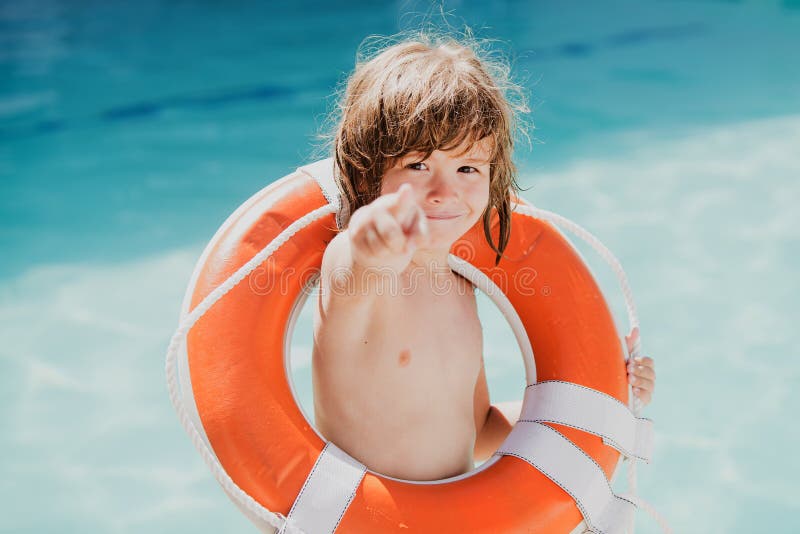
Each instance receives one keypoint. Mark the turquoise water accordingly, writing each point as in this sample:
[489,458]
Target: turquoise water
[128,133]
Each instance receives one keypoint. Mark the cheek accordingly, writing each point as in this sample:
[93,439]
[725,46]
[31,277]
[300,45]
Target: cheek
[480,196]
[390,182]
[481,203]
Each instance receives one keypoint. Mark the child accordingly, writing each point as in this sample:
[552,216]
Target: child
[423,152]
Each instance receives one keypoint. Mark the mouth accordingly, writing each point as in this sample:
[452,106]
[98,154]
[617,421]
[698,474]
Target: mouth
[443,216]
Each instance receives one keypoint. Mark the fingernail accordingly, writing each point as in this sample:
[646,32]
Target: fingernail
[632,379]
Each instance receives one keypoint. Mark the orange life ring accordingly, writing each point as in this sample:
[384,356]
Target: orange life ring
[236,357]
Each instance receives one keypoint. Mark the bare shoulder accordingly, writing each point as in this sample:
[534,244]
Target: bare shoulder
[337,254]
[337,269]
[336,316]
[340,278]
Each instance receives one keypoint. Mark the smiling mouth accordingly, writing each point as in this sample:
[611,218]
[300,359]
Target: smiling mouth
[443,216]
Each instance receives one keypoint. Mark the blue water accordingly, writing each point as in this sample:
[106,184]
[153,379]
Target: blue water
[128,132]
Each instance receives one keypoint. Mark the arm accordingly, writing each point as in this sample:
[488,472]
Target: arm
[498,425]
[385,233]
[493,423]
[379,242]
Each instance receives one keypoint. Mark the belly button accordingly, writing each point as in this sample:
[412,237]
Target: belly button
[405,357]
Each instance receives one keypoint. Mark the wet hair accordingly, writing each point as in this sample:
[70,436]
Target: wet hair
[426,92]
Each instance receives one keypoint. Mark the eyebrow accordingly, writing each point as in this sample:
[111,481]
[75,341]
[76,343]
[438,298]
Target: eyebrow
[474,159]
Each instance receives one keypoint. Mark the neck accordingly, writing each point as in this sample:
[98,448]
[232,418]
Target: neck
[431,259]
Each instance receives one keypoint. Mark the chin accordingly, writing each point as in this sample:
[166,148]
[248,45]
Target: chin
[443,243]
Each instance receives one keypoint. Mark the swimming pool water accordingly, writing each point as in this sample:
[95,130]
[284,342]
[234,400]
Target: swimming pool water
[129,132]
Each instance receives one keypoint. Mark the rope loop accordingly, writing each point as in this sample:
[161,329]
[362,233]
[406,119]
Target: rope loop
[635,404]
[231,488]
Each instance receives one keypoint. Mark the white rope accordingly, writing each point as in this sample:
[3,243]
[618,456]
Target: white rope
[635,403]
[275,520]
[641,503]
[595,243]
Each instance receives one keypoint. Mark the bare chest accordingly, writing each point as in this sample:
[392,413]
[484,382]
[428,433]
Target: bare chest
[435,342]
[420,354]
[399,396]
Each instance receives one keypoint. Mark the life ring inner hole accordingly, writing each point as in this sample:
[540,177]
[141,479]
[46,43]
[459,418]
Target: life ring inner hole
[504,362]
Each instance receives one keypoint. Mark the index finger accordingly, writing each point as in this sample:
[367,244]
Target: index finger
[405,208]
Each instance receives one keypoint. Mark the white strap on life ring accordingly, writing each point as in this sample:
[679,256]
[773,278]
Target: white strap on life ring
[327,492]
[592,411]
[323,172]
[633,322]
[574,471]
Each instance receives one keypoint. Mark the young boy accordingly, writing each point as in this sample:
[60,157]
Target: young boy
[423,153]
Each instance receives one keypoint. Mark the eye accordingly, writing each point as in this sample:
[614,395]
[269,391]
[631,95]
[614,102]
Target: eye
[473,171]
[413,165]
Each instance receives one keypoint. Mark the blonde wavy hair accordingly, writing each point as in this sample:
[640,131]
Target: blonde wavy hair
[427,92]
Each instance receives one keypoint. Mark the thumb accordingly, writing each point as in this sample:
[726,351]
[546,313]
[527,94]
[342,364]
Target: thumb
[631,339]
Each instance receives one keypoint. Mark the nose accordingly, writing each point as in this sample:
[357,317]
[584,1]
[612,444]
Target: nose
[441,190]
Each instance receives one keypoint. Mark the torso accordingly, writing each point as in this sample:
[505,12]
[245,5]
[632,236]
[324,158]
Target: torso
[398,394]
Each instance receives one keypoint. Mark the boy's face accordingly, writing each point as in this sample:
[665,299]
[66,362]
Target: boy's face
[452,190]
